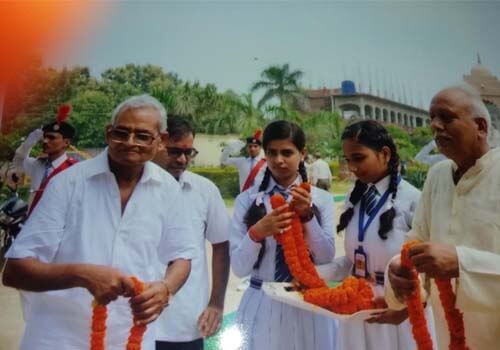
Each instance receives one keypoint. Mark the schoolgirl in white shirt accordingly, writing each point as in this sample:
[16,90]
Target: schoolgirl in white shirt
[377,216]
[265,323]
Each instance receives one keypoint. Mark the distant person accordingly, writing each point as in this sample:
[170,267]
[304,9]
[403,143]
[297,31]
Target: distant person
[251,169]
[99,223]
[56,138]
[321,175]
[458,222]
[425,156]
[192,314]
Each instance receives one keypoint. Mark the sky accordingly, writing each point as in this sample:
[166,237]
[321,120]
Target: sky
[411,48]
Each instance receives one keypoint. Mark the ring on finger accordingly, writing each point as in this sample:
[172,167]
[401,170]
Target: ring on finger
[281,231]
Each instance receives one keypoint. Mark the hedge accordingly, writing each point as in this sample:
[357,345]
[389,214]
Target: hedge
[416,175]
[225,178]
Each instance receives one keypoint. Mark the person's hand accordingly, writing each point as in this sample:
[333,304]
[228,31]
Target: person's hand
[210,320]
[301,202]
[34,137]
[393,317]
[148,305]
[401,280]
[436,260]
[275,222]
[106,283]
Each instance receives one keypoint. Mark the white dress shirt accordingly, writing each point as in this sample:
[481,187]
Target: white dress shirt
[210,221]
[79,220]
[245,166]
[35,168]
[320,170]
[465,215]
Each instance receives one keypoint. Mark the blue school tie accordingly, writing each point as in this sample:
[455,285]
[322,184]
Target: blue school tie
[281,271]
[371,198]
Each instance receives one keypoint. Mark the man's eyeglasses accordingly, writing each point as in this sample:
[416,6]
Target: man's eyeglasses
[139,137]
[177,152]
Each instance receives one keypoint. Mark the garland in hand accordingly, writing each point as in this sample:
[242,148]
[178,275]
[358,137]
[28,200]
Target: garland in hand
[351,296]
[98,327]
[454,318]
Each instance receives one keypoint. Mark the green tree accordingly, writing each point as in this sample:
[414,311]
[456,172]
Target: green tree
[279,82]
[91,113]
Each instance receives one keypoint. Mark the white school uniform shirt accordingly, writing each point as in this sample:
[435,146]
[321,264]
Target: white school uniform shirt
[266,323]
[244,251]
[466,216]
[356,334]
[79,220]
[210,221]
[245,166]
[34,167]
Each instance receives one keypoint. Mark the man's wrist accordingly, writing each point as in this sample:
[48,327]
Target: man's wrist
[168,291]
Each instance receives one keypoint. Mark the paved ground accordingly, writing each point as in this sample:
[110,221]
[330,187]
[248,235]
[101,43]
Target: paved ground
[11,321]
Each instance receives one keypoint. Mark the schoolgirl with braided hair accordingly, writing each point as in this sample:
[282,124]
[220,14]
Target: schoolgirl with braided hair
[266,323]
[378,213]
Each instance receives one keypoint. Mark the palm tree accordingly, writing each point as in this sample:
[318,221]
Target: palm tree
[280,83]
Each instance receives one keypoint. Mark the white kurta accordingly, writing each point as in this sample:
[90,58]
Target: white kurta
[210,221]
[79,220]
[268,324]
[245,166]
[359,335]
[465,215]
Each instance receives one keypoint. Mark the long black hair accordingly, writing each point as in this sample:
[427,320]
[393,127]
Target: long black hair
[276,130]
[373,135]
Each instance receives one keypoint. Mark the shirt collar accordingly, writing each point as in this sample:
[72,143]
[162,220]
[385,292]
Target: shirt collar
[382,185]
[59,160]
[186,180]
[273,183]
[100,165]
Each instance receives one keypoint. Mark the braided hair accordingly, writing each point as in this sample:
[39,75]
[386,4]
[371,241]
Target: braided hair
[276,130]
[373,135]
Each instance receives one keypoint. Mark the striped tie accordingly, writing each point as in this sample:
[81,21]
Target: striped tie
[281,271]
[371,198]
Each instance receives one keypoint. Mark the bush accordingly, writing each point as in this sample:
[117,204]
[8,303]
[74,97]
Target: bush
[416,175]
[334,167]
[225,178]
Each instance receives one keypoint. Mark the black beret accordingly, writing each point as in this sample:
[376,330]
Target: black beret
[65,129]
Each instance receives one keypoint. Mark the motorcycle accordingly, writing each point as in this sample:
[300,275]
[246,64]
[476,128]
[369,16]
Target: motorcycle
[13,213]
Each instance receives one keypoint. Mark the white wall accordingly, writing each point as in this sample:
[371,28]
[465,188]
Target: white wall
[210,148]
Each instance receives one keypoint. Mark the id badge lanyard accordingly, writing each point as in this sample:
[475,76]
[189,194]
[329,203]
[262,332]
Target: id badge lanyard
[360,258]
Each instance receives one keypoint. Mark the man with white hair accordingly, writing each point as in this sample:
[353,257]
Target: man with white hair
[458,221]
[99,223]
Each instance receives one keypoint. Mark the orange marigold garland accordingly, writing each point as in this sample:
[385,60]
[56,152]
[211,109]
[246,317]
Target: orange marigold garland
[351,296]
[98,327]
[454,317]
[414,304]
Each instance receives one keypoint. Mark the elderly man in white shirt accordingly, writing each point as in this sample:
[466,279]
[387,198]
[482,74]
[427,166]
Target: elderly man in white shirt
[251,169]
[457,221]
[99,223]
[321,176]
[192,314]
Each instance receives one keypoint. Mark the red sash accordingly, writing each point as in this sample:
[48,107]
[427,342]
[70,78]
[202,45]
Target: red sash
[253,174]
[38,194]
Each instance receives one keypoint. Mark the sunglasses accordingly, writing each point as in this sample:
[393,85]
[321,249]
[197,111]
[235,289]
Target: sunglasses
[139,137]
[177,152]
